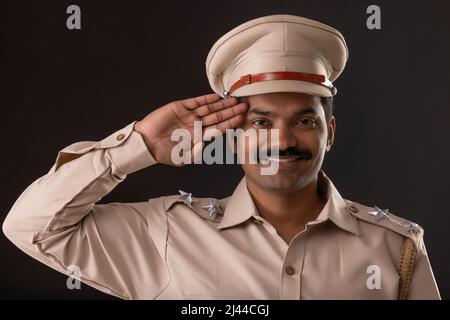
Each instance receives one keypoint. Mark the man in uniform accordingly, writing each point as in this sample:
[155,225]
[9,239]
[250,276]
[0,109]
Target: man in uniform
[289,235]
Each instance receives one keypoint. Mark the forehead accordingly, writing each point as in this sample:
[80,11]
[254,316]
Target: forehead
[283,102]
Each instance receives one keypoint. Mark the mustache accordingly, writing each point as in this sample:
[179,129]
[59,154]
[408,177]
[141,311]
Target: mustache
[291,151]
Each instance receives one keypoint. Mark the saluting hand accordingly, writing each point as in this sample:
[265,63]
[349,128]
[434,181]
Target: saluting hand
[213,111]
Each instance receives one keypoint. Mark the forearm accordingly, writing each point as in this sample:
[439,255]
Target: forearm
[83,173]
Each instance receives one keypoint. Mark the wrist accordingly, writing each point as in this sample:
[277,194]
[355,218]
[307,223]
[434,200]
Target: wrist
[150,146]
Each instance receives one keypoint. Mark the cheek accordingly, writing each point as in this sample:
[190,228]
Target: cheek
[322,142]
[251,140]
[314,140]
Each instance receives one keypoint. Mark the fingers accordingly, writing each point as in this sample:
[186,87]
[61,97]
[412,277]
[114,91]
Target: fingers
[193,103]
[224,114]
[216,113]
[209,108]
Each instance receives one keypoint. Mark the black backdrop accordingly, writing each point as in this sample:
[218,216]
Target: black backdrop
[61,86]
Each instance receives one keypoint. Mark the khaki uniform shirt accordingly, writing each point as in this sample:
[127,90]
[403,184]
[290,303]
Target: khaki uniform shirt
[167,248]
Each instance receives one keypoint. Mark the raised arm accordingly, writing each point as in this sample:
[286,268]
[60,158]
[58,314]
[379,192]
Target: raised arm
[56,219]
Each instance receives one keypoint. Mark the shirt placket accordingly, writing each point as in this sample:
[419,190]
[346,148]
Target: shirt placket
[291,270]
[292,266]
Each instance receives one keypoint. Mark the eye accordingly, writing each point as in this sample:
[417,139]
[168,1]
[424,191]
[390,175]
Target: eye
[307,122]
[260,122]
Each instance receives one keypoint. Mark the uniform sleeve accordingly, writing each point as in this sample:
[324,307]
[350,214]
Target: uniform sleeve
[423,285]
[56,219]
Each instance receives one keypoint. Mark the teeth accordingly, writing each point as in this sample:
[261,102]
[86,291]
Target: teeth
[280,160]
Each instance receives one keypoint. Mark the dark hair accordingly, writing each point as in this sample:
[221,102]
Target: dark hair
[328,107]
[326,102]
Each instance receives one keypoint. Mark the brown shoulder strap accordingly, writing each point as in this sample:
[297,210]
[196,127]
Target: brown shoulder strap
[407,258]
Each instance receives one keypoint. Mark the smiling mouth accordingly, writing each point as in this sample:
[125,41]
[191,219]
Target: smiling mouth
[282,159]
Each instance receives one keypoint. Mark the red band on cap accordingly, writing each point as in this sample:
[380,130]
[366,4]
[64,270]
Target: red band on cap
[280,75]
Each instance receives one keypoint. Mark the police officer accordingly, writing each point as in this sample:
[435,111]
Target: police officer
[289,235]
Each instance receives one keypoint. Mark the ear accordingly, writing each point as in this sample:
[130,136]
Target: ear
[331,132]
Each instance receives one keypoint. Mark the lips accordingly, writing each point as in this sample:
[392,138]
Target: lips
[283,159]
[283,162]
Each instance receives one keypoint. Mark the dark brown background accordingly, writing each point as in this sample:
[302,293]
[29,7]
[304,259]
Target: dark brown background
[61,86]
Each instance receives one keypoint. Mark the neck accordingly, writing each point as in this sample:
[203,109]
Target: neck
[288,212]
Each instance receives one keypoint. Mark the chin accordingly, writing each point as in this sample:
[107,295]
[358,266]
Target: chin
[283,181]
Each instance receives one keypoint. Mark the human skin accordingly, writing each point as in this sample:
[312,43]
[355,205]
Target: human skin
[287,199]
[214,113]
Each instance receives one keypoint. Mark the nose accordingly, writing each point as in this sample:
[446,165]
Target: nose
[286,137]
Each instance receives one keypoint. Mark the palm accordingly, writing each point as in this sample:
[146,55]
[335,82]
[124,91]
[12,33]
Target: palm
[212,111]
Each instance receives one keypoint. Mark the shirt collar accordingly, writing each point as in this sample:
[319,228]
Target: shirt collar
[240,207]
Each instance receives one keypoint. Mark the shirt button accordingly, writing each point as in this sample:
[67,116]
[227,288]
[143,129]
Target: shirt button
[120,137]
[290,270]
[353,209]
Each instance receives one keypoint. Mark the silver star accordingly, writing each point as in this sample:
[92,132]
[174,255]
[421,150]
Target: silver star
[187,197]
[412,227]
[213,208]
[380,214]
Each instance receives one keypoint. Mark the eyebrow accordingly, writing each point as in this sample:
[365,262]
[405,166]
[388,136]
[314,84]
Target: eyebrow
[270,113]
[259,111]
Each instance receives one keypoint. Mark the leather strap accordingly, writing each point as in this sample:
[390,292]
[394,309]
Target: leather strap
[407,259]
[281,75]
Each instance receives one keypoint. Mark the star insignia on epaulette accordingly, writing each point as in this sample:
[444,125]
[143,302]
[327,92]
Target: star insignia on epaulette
[412,227]
[186,197]
[213,208]
[380,214]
